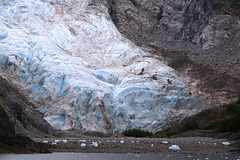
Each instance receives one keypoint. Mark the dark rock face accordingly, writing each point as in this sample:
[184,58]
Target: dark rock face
[18,121]
[6,124]
[22,145]
[161,21]
[194,37]
[25,120]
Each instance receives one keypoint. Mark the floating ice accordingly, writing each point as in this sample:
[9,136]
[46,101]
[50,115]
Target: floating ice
[164,142]
[45,141]
[83,141]
[152,145]
[226,143]
[54,143]
[57,140]
[65,141]
[175,148]
[122,141]
[95,144]
[83,145]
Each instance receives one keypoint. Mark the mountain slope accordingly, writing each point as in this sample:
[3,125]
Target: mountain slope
[199,38]
[221,121]
[18,114]
[18,121]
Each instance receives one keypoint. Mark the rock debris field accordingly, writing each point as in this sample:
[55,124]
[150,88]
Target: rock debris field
[139,145]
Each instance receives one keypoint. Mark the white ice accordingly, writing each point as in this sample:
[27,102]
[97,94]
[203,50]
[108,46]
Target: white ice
[175,148]
[95,144]
[226,143]
[83,145]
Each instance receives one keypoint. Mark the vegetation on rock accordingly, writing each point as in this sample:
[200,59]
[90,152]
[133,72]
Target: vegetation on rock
[228,7]
[217,120]
[231,123]
[137,133]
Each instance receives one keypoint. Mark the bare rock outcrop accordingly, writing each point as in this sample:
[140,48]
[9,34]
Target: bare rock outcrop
[18,115]
[18,121]
[200,38]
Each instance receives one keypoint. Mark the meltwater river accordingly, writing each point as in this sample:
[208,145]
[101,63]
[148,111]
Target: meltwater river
[107,156]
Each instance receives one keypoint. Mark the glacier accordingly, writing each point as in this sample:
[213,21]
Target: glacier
[69,59]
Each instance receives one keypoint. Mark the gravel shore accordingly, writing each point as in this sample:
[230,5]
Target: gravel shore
[138,145]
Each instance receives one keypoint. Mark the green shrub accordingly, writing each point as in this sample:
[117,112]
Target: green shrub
[228,7]
[231,124]
[190,126]
[137,133]
[238,101]
[235,3]
[213,125]
[169,134]
[232,108]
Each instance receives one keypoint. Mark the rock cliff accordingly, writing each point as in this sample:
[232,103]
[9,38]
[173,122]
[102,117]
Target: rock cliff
[18,115]
[199,38]
[18,121]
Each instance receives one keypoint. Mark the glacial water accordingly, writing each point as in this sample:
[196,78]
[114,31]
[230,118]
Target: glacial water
[107,156]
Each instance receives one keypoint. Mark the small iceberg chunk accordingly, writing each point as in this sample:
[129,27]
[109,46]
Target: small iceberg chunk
[45,142]
[57,141]
[164,142]
[95,144]
[84,141]
[65,141]
[83,145]
[175,148]
[122,141]
[226,143]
